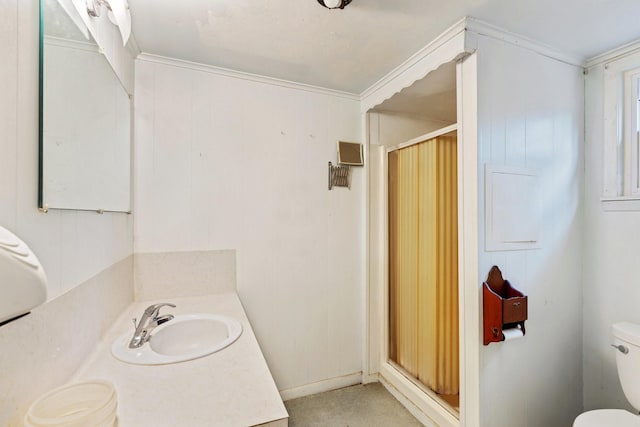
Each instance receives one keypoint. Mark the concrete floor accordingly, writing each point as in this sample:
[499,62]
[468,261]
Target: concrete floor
[369,405]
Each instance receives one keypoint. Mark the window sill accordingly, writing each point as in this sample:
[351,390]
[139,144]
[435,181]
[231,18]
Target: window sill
[614,204]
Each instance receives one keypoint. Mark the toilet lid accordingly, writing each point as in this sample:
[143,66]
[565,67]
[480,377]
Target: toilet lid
[607,418]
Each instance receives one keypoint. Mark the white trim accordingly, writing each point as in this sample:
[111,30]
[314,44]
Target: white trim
[409,406]
[485,29]
[366,315]
[384,292]
[226,72]
[631,93]
[452,45]
[72,44]
[620,204]
[468,230]
[447,35]
[612,106]
[132,47]
[616,151]
[449,46]
[418,397]
[423,138]
[377,216]
[411,115]
[322,386]
[614,54]
[371,378]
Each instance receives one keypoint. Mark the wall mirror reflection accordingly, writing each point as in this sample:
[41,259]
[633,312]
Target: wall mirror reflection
[85,119]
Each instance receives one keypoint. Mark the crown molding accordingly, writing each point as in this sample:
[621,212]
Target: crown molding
[244,76]
[482,28]
[614,54]
[457,41]
[71,44]
[132,47]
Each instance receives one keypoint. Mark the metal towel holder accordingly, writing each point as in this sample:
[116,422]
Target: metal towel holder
[339,176]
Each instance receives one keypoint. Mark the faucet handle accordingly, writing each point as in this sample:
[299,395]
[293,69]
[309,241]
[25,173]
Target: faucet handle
[152,310]
[622,349]
[135,322]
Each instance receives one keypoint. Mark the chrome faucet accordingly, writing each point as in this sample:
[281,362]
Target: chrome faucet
[148,322]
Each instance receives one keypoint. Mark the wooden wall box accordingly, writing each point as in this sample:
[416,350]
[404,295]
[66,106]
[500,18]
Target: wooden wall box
[504,307]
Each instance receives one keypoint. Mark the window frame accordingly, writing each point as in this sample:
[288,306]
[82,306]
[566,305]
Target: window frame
[621,156]
[630,136]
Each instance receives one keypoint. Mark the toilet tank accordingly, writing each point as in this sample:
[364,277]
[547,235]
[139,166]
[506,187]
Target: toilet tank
[628,335]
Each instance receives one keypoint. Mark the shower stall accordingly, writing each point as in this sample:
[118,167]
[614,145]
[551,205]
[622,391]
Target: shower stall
[423,263]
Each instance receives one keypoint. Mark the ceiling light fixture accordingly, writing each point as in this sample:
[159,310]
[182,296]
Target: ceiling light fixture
[334,4]
[118,14]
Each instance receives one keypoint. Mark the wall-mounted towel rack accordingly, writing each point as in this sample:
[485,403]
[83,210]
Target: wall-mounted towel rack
[339,176]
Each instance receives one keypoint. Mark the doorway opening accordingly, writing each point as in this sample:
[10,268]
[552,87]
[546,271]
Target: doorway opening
[413,144]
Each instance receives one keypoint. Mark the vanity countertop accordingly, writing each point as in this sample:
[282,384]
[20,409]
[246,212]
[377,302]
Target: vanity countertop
[232,387]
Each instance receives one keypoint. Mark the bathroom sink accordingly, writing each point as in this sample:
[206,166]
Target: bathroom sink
[186,337]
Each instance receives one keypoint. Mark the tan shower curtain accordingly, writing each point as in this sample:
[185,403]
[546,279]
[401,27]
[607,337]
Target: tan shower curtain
[423,262]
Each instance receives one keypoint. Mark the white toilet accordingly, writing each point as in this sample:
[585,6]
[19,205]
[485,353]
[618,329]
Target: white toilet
[626,339]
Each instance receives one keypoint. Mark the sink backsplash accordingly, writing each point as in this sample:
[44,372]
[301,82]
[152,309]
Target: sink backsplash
[184,274]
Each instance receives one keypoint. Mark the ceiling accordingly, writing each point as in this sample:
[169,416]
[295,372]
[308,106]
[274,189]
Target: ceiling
[351,49]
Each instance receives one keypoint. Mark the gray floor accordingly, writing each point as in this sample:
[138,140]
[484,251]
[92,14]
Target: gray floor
[368,405]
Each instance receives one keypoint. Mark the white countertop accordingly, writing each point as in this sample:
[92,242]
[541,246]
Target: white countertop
[232,387]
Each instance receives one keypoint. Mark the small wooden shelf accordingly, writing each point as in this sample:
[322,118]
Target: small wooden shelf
[504,307]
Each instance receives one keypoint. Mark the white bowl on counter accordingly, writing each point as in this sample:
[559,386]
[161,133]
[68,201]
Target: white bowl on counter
[86,404]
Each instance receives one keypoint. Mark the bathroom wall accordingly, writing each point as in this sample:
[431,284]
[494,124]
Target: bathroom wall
[72,246]
[611,291]
[225,160]
[391,129]
[86,256]
[530,114]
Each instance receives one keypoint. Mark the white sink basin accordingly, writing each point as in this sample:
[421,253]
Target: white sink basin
[186,337]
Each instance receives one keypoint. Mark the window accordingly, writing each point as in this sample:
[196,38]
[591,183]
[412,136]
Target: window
[622,132]
[631,180]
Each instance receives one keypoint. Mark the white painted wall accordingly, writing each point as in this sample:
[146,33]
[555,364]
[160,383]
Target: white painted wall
[611,291]
[72,246]
[391,129]
[239,163]
[530,114]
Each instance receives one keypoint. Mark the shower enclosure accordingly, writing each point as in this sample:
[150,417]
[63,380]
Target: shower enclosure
[423,263]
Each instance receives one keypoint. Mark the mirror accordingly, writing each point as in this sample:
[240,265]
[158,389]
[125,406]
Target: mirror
[85,120]
[350,153]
